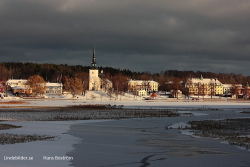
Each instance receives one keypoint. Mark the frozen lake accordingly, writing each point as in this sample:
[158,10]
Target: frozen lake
[146,142]
[131,142]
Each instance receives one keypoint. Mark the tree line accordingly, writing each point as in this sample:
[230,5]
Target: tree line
[63,72]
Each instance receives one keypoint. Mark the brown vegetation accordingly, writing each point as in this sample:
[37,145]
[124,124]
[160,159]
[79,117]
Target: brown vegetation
[37,84]
[73,85]
[14,102]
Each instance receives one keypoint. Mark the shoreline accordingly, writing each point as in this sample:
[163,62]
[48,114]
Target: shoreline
[50,103]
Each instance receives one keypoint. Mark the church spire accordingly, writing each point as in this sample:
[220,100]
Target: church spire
[93,63]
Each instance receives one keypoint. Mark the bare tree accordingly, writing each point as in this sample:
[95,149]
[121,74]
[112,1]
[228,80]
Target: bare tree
[234,90]
[119,83]
[37,84]
[212,89]
[188,86]
[202,90]
[176,85]
[73,85]
[110,92]
[84,77]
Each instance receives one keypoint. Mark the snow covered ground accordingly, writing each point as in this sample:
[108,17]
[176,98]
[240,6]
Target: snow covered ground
[128,100]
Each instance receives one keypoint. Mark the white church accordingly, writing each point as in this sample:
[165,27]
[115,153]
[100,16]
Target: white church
[97,83]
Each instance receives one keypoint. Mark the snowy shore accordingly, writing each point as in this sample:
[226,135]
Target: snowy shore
[128,100]
[127,103]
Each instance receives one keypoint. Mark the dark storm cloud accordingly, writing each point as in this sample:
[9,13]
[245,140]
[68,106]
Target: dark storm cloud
[142,35]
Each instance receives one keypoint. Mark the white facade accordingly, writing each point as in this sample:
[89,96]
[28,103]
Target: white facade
[134,85]
[94,80]
[16,82]
[204,86]
[141,93]
[53,88]
[97,83]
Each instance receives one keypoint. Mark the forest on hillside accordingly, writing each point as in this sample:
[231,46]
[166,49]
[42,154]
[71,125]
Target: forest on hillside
[56,73]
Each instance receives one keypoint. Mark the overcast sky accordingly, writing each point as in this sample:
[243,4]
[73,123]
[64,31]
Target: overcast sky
[140,35]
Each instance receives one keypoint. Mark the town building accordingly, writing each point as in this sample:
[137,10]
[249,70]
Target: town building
[21,90]
[53,88]
[142,87]
[204,86]
[97,83]
[16,82]
[18,87]
[247,92]
[212,87]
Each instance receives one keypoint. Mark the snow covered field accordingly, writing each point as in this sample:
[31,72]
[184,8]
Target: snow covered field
[128,100]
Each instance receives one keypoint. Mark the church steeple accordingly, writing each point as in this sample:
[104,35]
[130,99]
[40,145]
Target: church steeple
[93,63]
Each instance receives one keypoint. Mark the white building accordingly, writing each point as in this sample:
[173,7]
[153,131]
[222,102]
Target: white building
[141,93]
[19,86]
[143,84]
[53,88]
[147,86]
[95,82]
[16,82]
[204,86]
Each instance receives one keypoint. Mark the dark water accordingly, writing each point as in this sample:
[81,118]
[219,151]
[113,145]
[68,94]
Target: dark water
[146,142]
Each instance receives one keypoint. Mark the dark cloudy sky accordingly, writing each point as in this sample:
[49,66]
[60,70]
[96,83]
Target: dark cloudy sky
[140,35]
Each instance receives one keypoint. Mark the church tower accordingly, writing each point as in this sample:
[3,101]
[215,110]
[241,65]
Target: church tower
[94,80]
[93,63]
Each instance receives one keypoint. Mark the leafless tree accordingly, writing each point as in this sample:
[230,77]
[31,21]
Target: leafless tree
[176,86]
[84,77]
[188,85]
[212,89]
[234,90]
[37,84]
[73,85]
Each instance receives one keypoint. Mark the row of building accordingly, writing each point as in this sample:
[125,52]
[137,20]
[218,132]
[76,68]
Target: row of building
[19,87]
[213,87]
[194,86]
